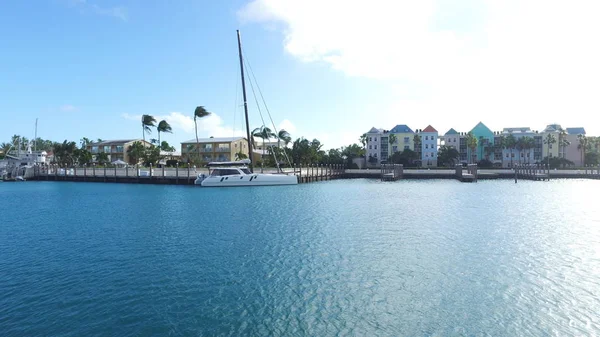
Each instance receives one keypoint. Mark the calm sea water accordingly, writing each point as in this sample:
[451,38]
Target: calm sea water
[340,258]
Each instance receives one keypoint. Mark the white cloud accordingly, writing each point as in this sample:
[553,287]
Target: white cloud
[287,126]
[517,62]
[212,125]
[68,108]
[117,12]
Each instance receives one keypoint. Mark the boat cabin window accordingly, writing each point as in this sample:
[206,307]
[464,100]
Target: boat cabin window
[245,170]
[225,172]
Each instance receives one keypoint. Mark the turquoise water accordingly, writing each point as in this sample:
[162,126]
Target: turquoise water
[339,258]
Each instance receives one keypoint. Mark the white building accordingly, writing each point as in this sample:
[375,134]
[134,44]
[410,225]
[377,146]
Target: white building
[520,155]
[452,139]
[375,153]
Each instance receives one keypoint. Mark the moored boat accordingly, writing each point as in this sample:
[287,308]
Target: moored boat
[226,174]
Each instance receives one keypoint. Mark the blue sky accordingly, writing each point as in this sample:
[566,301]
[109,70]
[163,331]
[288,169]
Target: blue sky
[90,68]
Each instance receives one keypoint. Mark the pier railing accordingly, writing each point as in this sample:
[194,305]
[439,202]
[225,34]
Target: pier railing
[537,172]
[318,172]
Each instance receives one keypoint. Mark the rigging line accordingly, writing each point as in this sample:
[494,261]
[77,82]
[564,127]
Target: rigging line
[235,106]
[267,109]
[261,116]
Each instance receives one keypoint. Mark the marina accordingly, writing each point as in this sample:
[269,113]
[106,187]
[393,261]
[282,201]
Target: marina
[305,174]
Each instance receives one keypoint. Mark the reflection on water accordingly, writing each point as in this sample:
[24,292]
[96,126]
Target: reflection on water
[359,257]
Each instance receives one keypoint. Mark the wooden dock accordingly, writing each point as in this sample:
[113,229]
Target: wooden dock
[169,176]
[469,176]
[391,172]
[532,172]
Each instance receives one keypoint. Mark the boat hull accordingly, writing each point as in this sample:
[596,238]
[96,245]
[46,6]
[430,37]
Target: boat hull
[257,179]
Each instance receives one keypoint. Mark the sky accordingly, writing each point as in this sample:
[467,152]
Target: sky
[327,69]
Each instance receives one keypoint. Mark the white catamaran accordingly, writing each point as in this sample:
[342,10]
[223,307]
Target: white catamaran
[240,173]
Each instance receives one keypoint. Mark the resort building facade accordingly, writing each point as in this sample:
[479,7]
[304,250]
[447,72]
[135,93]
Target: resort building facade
[214,149]
[429,146]
[115,149]
[506,148]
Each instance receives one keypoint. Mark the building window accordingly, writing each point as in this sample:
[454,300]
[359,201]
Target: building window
[406,147]
[406,139]
[376,147]
[375,138]
[119,149]
[375,155]
[395,148]
[107,148]
[370,147]
[370,139]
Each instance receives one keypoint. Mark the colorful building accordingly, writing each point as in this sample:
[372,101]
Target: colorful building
[522,152]
[552,149]
[404,139]
[451,139]
[574,152]
[429,146]
[485,143]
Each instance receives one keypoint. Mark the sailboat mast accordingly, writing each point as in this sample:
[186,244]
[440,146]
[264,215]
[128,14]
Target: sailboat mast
[35,137]
[245,103]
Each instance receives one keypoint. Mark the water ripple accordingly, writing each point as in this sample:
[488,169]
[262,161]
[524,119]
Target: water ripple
[340,258]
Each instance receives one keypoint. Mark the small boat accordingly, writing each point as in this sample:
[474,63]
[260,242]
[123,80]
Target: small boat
[236,173]
[240,173]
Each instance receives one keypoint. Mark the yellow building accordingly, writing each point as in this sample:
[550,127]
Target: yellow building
[404,139]
[214,149]
[553,149]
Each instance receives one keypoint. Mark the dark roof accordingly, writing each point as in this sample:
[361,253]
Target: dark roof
[114,142]
[576,131]
[401,128]
[451,132]
[375,130]
[213,140]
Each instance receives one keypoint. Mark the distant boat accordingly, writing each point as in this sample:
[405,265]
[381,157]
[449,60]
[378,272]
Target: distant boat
[238,173]
[19,164]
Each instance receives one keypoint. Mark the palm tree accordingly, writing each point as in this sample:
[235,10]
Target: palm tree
[499,145]
[264,133]
[284,136]
[510,144]
[527,143]
[102,158]
[520,145]
[563,142]
[199,112]
[550,139]
[147,122]
[417,142]
[363,140]
[163,126]
[136,152]
[582,146]
[472,144]
[85,142]
[392,140]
